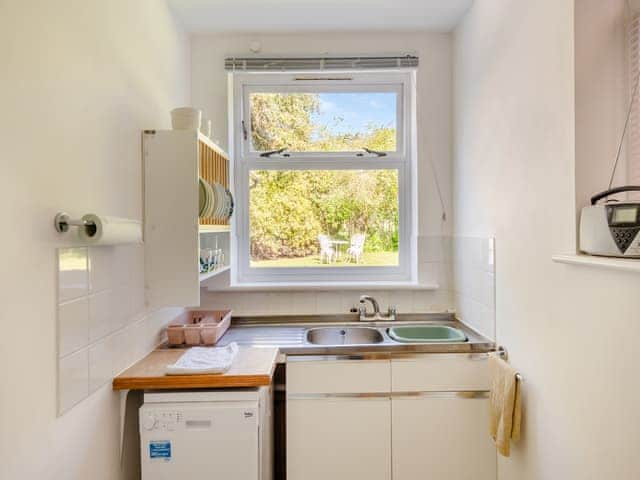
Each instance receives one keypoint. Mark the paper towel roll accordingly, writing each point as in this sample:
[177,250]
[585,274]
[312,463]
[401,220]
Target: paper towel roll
[110,230]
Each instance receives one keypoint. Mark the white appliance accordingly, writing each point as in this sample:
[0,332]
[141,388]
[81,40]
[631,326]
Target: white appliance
[207,434]
[611,229]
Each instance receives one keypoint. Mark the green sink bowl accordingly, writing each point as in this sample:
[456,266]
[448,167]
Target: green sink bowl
[427,334]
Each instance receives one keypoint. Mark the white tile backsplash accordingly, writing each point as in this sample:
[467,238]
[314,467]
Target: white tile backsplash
[73,379]
[73,326]
[101,357]
[103,325]
[101,269]
[73,273]
[474,282]
[100,315]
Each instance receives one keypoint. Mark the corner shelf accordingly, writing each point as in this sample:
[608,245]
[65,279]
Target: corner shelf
[620,264]
[218,271]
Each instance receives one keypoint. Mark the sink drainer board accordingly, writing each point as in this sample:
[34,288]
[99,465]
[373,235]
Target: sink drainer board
[427,334]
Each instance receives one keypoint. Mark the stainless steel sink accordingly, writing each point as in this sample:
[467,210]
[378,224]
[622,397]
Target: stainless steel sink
[344,336]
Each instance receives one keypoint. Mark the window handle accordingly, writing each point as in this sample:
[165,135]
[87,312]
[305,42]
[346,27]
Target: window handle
[372,152]
[275,152]
[244,130]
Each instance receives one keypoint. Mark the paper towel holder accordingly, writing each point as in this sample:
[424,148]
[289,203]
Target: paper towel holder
[63,221]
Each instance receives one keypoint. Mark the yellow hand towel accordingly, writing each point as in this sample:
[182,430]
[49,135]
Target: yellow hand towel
[505,404]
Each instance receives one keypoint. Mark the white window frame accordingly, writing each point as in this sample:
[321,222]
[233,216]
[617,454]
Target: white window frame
[241,85]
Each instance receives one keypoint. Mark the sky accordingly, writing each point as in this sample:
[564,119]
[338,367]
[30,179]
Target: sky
[357,110]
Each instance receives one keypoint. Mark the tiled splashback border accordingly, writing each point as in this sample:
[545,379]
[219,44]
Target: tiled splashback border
[434,268]
[102,323]
[463,268]
[474,284]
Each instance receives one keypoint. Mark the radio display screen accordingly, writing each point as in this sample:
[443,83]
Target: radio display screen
[624,215]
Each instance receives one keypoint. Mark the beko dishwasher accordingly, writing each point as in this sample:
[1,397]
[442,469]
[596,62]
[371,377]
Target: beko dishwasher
[207,434]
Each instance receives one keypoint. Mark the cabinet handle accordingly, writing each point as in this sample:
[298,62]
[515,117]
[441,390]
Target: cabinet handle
[472,394]
[464,394]
[478,357]
[361,396]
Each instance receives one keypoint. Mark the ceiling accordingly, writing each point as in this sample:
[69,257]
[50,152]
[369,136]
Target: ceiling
[286,16]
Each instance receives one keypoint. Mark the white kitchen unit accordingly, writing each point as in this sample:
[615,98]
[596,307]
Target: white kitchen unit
[442,436]
[206,435]
[332,431]
[415,417]
[173,232]
[440,418]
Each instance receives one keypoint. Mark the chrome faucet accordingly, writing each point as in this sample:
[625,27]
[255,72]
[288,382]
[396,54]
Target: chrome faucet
[376,315]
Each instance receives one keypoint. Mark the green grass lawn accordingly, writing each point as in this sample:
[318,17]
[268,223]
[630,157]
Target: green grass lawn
[369,259]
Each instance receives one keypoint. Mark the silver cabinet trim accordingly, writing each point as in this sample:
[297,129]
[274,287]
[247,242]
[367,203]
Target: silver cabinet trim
[473,394]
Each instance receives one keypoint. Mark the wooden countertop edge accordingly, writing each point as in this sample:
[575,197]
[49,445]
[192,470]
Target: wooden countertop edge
[169,382]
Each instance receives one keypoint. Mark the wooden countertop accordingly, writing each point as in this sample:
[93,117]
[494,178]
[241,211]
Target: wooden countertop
[252,367]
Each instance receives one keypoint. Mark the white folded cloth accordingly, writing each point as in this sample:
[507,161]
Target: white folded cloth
[201,360]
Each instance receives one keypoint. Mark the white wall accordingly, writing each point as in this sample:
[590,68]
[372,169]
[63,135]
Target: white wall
[601,94]
[79,82]
[209,92]
[514,178]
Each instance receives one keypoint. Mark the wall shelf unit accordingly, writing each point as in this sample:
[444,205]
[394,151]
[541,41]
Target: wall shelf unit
[214,273]
[214,228]
[174,160]
[620,264]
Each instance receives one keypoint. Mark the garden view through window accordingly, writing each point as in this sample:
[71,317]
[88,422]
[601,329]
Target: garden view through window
[324,121]
[322,177]
[323,218]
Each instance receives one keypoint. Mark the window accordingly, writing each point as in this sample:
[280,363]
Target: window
[323,121]
[323,177]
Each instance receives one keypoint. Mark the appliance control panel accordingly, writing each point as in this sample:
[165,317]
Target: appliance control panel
[161,420]
[624,225]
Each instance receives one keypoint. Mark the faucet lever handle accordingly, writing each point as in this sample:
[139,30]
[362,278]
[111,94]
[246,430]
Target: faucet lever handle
[362,308]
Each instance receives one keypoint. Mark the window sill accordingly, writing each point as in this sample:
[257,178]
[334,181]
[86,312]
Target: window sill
[323,286]
[620,264]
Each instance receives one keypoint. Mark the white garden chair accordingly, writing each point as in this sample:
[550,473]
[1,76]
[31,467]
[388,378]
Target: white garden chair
[326,250]
[356,249]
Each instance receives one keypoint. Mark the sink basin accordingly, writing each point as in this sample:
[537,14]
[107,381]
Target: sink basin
[427,334]
[343,336]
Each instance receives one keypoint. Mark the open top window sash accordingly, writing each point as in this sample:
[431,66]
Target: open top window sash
[274,64]
[370,84]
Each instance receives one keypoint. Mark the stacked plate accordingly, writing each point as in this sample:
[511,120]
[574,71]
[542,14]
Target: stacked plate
[216,201]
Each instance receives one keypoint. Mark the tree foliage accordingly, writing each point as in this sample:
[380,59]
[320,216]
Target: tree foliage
[290,208]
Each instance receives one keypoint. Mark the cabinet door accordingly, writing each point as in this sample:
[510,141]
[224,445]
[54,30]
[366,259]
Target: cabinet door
[339,438]
[442,372]
[442,436]
[171,242]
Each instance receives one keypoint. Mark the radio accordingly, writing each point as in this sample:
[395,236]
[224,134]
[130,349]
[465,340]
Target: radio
[611,229]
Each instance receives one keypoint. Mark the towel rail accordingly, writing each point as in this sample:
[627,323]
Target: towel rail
[502,352]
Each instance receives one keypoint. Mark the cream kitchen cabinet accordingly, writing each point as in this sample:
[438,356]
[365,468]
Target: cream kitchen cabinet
[440,418]
[339,438]
[442,436]
[338,420]
[420,417]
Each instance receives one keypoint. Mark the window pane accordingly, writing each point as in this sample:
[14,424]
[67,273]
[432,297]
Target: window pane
[323,218]
[324,122]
